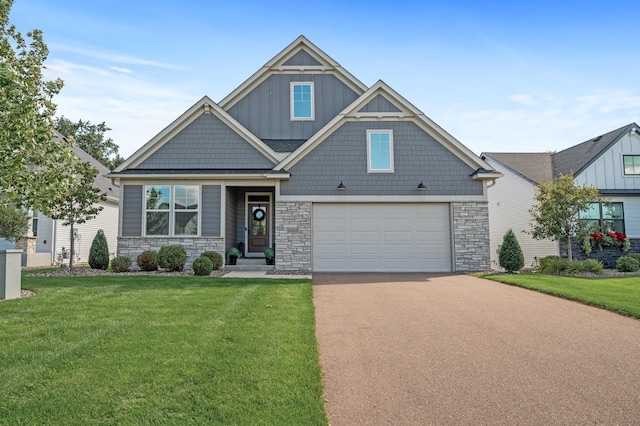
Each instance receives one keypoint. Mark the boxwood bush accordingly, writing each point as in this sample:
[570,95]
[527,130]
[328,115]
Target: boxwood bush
[147,260]
[172,258]
[202,266]
[120,264]
[627,264]
[215,257]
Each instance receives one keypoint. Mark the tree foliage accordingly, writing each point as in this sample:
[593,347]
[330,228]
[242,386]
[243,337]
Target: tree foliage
[14,222]
[30,158]
[91,138]
[511,257]
[99,252]
[75,199]
[556,214]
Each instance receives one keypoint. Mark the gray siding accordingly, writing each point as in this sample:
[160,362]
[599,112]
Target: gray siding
[380,104]
[302,58]
[417,157]
[231,219]
[265,111]
[210,211]
[131,210]
[206,143]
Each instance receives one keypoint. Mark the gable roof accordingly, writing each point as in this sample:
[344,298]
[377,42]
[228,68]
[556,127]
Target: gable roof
[300,55]
[533,166]
[203,106]
[402,109]
[537,166]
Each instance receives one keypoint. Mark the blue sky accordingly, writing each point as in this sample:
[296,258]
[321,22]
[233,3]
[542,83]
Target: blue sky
[499,76]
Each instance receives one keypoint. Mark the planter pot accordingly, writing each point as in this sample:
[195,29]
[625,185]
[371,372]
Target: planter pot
[271,261]
[233,259]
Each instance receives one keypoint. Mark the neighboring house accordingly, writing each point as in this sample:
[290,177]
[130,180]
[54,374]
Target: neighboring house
[302,156]
[48,239]
[610,162]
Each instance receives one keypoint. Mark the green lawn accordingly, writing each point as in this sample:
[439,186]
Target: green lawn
[618,294]
[160,350]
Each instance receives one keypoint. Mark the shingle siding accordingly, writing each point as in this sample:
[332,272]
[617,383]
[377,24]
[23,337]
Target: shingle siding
[206,143]
[265,111]
[418,157]
[131,210]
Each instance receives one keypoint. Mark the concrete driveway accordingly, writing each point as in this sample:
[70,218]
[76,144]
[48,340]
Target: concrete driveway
[423,349]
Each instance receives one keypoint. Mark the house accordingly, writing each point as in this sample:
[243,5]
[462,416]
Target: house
[48,241]
[303,157]
[610,162]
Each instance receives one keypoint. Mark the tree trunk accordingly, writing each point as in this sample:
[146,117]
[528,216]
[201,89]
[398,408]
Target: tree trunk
[569,254]
[73,245]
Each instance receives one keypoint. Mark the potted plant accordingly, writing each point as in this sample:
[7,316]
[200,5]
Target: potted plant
[270,255]
[233,254]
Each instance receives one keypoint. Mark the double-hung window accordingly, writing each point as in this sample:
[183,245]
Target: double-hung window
[302,101]
[631,164]
[604,217]
[171,209]
[380,151]
[34,224]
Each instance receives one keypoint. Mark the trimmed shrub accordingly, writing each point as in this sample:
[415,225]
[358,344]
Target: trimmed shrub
[511,257]
[627,264]
[147,260]
[202,266]
[215,257]
[636,256]
[172,258]
[120,264]
[99,252]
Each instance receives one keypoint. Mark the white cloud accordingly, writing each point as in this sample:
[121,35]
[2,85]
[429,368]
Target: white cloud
[121,69]
[111,56]
[526,100]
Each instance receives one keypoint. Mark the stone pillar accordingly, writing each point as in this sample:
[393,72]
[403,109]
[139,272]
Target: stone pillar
[27,244]
[10,278]
[293,235]
[471,237]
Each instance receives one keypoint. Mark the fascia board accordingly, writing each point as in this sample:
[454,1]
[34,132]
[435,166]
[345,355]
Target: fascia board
[187,176]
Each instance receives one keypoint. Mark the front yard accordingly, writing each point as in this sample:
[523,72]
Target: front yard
[160,350]
[618,294]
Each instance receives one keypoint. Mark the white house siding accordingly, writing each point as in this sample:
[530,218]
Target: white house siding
[107,220]
[509,202]
[607,171]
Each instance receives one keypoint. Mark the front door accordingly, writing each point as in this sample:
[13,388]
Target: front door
[258,231]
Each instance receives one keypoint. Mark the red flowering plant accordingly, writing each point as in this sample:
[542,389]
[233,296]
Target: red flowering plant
[605,239]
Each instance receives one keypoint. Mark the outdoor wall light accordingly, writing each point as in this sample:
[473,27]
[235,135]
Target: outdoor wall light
[421,187]
[341,187]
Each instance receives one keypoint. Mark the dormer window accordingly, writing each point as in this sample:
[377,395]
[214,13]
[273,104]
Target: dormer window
[302,101]
[631,164]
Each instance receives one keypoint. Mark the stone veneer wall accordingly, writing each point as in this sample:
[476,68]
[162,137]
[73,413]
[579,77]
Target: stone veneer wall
[471,237]
[293,235]
[133,246]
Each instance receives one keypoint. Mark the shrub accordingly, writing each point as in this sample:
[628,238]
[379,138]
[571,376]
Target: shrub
[215,257]
[579,266]
[232,251]
[627,264]
[511,257]
[636,256]
[269,253]
[557,265]
[120,264]
[172,258]
[99,252]
[202,266]
[147,260]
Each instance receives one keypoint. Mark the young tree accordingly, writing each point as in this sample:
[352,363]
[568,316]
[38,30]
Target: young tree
[556,215]
[14,222]
[91,138]
[511,257]
[75,200]
[99,252]
[30,158]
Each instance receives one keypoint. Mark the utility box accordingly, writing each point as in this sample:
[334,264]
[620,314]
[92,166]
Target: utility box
[10,277]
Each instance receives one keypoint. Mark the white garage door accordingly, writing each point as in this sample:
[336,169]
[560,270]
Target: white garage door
[381,237]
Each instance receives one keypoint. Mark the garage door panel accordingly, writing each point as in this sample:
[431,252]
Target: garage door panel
[381,237]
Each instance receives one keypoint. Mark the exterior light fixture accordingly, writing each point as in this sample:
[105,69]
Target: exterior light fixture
[421,187]
[341,187]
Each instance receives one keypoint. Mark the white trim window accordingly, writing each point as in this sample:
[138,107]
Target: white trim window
[631,164]
[171,210]
[380,151]
[34,223]
[302,100]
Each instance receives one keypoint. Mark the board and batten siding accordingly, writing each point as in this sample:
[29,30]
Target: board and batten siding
[631,206]
[211,214]
[265,111]
[509,202]
[607,171]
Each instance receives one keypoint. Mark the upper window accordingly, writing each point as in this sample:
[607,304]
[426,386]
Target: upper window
[34,224]
[631,164]
[604,218]
[379,151]
[302,101]
[164,217]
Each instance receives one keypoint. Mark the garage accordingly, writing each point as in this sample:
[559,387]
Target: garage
[385,237]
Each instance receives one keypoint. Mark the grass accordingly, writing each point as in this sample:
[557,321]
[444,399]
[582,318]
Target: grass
[618,294]
[160,350]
